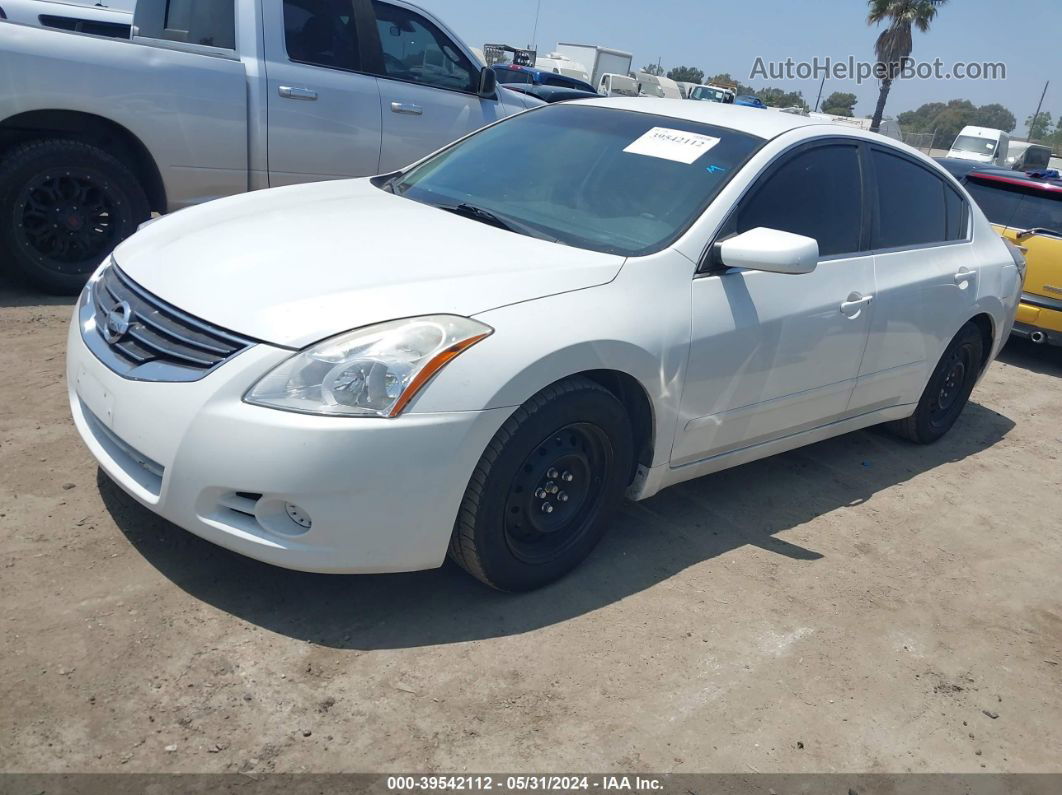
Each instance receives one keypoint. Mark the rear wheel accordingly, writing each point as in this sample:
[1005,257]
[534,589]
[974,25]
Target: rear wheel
[948,389]
[64,206]
[541,495]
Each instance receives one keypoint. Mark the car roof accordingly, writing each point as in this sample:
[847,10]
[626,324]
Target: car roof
[741,118]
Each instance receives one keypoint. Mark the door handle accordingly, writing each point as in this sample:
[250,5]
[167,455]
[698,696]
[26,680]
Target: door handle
[855,303]
[964,275]
[297,92]
[406,107]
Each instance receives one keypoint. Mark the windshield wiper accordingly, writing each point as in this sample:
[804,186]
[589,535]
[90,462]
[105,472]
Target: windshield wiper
[489,218]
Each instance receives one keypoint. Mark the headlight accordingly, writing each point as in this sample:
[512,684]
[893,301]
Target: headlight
[373,371]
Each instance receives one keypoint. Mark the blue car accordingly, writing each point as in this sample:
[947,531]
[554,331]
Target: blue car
[749,101]
[511,73]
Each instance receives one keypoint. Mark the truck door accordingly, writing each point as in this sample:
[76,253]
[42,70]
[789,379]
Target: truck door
[324,111]
[427,87]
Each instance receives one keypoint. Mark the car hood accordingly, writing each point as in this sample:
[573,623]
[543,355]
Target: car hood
[291,266]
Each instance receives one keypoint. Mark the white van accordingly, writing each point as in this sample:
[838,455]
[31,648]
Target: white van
[658,86]
[1026,156]
[983,144]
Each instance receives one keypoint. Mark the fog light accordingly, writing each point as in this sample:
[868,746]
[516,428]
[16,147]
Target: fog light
[298,515]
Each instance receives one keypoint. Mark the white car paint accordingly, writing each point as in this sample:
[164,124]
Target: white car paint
[737,365]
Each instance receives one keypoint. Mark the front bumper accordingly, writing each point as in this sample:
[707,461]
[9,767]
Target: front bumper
[380,494]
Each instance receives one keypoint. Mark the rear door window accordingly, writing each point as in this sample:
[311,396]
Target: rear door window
[321,32]
[211,23]
[912,204]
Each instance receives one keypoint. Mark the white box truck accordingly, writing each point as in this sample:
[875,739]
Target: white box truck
[597,60]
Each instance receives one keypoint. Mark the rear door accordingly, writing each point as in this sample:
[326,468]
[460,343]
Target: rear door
[427,87]
[324,109]
[926,276]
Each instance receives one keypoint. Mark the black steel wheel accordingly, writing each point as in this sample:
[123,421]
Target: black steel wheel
[540,497]
[65,206]
[556,493]
[948,389]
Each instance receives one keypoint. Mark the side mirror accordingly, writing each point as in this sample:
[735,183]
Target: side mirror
[771,250]
[488,83]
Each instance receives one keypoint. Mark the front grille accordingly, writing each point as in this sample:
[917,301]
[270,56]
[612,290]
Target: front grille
[167,343]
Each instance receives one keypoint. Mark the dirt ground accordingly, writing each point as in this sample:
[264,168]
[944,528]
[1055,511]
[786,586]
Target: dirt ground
[859,605]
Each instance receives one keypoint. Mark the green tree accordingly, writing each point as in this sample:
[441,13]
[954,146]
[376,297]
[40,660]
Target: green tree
[995,116]
[893,47]
[1038,126]
[653,69]
[839,103]
[778,98]
[686,74]
[947,119]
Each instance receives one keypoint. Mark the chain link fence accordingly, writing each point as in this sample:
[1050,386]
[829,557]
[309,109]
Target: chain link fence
[919,140]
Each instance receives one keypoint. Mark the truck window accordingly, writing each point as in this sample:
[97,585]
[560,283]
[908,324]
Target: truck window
[321,32]
[207,22]
[416,51]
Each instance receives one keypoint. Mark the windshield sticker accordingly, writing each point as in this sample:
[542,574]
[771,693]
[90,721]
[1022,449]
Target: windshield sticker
[714,169]
[668,144]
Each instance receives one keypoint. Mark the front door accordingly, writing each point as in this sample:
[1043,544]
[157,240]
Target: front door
[774,354]
[324,112]
[427,88]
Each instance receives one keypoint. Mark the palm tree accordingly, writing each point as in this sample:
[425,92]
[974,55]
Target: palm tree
[893,46]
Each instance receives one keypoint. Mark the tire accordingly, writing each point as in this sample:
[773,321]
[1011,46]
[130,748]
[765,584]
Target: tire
[64,206]
[948,389]
[541,495]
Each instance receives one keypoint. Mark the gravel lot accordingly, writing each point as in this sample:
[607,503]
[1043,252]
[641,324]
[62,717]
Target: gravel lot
[859,605]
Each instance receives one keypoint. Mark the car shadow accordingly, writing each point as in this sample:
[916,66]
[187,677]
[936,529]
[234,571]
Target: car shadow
[1043,359]
[648,543]
[15,292]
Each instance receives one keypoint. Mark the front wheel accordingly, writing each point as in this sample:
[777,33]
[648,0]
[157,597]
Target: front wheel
[541,495]
[948,389]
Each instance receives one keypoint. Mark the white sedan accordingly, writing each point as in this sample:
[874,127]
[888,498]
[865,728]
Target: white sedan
[483,353]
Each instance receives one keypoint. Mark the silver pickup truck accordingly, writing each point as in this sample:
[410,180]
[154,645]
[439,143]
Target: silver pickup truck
[210,98]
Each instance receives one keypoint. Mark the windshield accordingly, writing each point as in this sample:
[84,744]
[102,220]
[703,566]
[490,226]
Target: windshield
[1018,207]
[608,180]
[974,145]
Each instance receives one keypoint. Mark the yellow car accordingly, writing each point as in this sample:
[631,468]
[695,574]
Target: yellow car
[1026,210]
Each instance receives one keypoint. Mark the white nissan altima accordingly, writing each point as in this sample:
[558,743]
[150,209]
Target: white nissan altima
[482,353]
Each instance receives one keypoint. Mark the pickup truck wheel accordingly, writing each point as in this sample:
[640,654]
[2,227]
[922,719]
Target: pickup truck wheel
[540,497]
[948,389]
[64,206]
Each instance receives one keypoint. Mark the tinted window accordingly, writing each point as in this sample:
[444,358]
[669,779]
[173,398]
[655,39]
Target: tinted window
[574,180]
[911,205]
[320,32]
[417,51]
[955,209]
[817,193]
[1018,207]
[208,22]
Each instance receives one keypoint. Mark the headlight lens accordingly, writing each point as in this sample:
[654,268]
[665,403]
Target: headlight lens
[373,371]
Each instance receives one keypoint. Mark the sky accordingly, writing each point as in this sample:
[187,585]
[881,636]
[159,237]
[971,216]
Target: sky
[728,37]
[718,37]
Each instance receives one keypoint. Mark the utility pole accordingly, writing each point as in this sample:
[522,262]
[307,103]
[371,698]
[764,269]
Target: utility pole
[1040,104]
[534,31]
[820,94]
